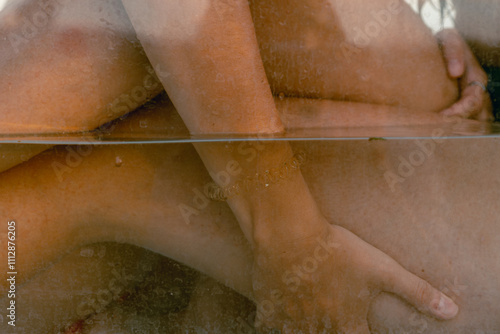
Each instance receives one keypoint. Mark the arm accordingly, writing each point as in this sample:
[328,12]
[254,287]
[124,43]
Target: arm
[211,68]
[206,55]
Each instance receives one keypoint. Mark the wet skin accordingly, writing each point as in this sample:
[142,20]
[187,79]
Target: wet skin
[455,247]
[94,212]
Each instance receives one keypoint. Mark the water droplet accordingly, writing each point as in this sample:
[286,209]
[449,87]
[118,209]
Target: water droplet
[282,96]
[143,124]
[118,162]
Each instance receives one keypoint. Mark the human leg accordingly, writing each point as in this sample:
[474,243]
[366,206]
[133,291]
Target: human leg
[81,68]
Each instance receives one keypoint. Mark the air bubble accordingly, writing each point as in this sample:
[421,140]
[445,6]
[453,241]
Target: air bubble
[118,162]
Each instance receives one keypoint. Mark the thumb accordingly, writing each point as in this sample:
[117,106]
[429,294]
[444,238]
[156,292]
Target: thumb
[419,293]
[452,47]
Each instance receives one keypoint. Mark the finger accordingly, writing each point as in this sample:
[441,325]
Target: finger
[452,47]
[474,71]
[475,74]
[418,292]
[470,104]
[474,99]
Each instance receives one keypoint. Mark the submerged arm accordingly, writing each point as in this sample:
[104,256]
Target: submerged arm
[206,55]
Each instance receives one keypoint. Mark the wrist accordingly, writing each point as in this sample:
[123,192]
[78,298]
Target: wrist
[264,188]
[279,213]
[258,181]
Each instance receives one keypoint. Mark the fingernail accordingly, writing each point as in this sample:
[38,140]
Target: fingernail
[446,308]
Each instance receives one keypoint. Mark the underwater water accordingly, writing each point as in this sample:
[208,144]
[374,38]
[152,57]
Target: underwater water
[263,167]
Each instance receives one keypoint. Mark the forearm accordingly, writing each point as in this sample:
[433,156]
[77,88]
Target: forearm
[211,68]
[264,188]
[207,57]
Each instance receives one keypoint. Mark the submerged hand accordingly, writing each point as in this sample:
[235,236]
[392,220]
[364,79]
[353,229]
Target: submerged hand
[325,283]
[462,65]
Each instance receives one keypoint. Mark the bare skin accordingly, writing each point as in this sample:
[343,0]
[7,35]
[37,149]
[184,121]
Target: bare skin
[106,74]
[402,223]
[224,73]
[400,101]
[107,34]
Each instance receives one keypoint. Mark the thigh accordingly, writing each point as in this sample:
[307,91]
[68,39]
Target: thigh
[74,195]
[68,67]
[427,203]
[413,199]
[95,71]
[366,51]
[155,198]
[68,74]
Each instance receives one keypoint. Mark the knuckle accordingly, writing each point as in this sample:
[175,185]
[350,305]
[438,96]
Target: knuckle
[423,291]
[473,103]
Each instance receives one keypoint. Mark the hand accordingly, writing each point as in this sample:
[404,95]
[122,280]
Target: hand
[325,283]
[461,63]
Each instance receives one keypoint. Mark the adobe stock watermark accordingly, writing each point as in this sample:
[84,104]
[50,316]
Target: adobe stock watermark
[120,106]
[372,29]
[118,286]
[229,189]
[424,150]
[73,159]
[35,24]
[293,279]
[130,101]
[201,196]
